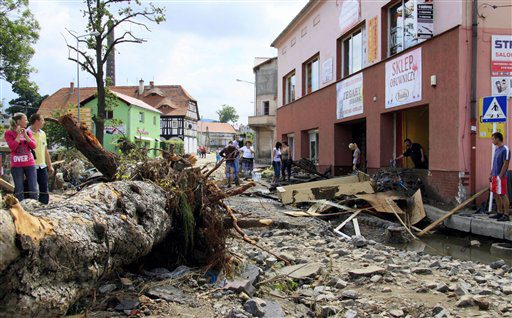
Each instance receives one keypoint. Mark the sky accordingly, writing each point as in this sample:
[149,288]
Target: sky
[203,46]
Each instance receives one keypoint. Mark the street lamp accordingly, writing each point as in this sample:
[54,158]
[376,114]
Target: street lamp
[95,33]
[239,80]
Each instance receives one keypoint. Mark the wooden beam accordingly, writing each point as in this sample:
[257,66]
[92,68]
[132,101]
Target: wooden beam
[452,212]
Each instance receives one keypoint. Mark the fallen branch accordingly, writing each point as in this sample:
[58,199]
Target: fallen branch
[214,168]
[246,238]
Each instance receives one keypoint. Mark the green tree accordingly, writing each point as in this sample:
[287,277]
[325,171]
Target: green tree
[19,31]
[28,102]
[227,114]
[104,16]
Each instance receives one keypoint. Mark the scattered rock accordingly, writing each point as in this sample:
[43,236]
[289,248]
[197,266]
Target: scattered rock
[350,294]
[254,306]
[480,279]
[359,241]
[351,314]
[421,271]
[482,302]
[497,264]
[376,278]
[126,281]
[465,301]
[328,311]
[386,290]
[366,271]
[301,271]
[127,304]
[241,285]
[507,290]
[437,309]
[475,243]
[169,293]
[396,313]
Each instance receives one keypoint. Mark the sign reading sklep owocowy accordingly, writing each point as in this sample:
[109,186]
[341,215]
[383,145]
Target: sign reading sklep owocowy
[403,79]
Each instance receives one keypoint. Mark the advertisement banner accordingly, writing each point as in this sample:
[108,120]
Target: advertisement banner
[501,86]
[424,14]
[501,55]
[373,39]
[349,14]
[349,97]
[485,129]
[403,79]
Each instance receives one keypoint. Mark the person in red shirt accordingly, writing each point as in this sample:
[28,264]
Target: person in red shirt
[22,144]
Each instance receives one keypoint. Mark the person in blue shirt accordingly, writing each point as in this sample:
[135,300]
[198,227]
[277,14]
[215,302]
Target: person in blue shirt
[498,178]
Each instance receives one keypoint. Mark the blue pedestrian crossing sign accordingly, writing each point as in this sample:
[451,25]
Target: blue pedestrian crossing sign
[494,109]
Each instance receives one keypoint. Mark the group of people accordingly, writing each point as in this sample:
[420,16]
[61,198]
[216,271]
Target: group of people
[201,151]
[30,159]
[236,153]
[281,162]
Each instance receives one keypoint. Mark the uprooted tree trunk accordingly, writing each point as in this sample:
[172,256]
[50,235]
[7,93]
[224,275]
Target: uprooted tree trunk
[55,255]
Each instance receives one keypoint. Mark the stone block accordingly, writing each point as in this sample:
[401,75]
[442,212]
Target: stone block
[488,228]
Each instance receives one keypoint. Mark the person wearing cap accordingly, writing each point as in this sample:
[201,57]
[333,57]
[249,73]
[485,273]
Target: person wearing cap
[356,156]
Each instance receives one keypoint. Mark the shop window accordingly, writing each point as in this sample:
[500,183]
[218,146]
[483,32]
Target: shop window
[402,27]
[289,88]
[352,53]
[312,75]
[265,107]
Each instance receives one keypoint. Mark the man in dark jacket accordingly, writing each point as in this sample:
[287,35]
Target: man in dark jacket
[231,154]
[417,154]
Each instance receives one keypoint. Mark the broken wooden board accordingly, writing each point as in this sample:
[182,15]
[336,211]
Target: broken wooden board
[7,186]
[417,210]
[382,202]
[301,214]
[325,189]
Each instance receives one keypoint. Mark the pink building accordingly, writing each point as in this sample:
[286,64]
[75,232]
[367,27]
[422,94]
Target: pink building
[377,72]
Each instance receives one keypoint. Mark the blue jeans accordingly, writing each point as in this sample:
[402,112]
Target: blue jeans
[231,164]
[277,168]
[19,174]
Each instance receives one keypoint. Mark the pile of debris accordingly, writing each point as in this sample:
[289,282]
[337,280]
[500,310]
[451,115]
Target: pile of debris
[162,212]
[402,180]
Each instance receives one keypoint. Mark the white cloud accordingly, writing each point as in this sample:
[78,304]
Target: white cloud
[203,46]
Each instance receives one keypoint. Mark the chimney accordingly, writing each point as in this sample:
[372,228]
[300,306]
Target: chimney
[141,86]
[151,84]
[72,87]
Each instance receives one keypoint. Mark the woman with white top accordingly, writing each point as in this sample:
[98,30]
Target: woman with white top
[276,162]
[247,158]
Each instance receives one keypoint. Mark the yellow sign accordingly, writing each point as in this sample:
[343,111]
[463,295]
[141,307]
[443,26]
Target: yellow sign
[485,129]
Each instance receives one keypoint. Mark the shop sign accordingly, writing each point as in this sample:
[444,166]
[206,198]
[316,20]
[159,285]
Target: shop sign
[142,132]
[424,19]
[349,97]
[501,56]
[501,86]
[350,12]
[403,79]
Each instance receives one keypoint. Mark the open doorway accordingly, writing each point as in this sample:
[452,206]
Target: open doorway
[344,134]
[412,124]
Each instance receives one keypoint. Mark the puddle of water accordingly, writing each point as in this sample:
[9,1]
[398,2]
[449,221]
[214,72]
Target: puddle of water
[455,246]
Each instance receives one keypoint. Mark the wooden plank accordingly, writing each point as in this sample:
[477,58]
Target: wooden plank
[348,220]
[382,202]
[356,227]
[418,210]
[325,189]
[452,212]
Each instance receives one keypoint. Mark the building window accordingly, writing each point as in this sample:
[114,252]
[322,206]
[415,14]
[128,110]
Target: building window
[312,75]
[401,26]
[313,146]
[141,117]
[154,120]
[289,88]
[174,124]
[265,107]
[109,114]
[353,53]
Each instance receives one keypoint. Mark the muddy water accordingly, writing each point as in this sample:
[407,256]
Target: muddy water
[457,246]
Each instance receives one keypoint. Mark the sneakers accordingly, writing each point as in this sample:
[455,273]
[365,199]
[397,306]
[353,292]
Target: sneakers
[237,184]
[503,218]
[496,216]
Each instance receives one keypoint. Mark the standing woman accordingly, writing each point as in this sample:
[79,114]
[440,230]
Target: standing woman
[22,145]
[276,162]
[286,161]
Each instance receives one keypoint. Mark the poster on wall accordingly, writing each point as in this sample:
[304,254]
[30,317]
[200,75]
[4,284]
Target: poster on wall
[501,86]
[403,79]
[327,70]
[501,55]
[115,130]
[349,97]
[373,39]
[350,12]
[424,14]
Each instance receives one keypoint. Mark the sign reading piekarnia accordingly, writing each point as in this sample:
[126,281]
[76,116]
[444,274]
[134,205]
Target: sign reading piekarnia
[403,79]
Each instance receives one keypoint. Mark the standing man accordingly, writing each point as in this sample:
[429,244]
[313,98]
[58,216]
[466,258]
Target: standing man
[417,154]
[43,160]
[499,178]
[230,153]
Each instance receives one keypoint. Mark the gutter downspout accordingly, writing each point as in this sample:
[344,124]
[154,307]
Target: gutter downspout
[474,58]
